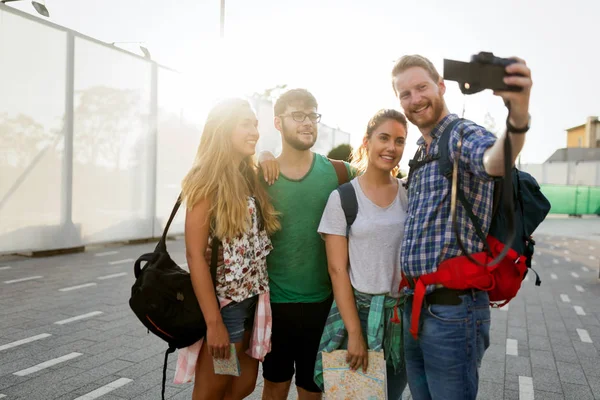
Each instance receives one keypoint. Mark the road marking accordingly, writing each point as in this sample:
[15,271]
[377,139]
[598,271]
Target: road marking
[555,261]
[29,278]
[79,317]
[585,269]
[106,253]
[512,347]
[68,289]
[127,260]
[47,364]
[5,267]
[525,388]
[579,288]
[105,389]
[24,341]
[565,298]
[584,336]
[574,274]
[112,276]
[567,259]
[553,276]
[579,310]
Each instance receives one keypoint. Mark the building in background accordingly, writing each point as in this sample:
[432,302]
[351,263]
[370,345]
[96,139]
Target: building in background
[585,135]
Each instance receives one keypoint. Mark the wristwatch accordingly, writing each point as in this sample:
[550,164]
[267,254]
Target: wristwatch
[511,129]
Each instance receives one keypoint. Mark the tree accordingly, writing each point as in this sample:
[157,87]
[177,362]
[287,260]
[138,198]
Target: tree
[489,123]
[341,152]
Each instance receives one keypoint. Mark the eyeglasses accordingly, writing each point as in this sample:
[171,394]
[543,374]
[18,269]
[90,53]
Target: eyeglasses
[299,116]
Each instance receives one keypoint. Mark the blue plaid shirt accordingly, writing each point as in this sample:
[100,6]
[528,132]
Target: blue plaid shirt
[429,238]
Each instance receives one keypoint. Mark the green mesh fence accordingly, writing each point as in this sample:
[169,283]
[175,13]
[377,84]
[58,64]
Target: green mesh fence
[576,200]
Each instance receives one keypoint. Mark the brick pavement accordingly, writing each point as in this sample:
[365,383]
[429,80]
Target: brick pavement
[546,330]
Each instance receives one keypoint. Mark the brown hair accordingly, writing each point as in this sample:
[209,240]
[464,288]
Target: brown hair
[414,60]
[294,97]
[360,158]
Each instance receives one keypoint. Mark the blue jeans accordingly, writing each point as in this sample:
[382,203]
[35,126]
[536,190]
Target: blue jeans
[444,362]
[396,382]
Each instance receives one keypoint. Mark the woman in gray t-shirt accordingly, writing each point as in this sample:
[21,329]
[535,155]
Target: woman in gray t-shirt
[365,266]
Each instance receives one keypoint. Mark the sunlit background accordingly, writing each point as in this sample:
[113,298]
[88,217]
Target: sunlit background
[343,51]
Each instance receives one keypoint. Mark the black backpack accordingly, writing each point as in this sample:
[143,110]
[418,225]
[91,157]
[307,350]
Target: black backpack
[528,204]
[163,298]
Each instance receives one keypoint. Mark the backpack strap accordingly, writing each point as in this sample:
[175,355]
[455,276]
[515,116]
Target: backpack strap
[444,162]
[170,350]
[349,204]
[341,171]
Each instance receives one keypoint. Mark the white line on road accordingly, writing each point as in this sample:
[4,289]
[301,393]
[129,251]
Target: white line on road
[106,253]
[579,310]
[79,317]
[555,261]
[5,267]
[29,278]
[565,298]
[127,260]
[574,274]
[584,336]
[112,276]
[67,289]
[525,388]
[24,341]
[47,364]
[512,347]
[579,288]
[585,269]
[105,389]
[553,276]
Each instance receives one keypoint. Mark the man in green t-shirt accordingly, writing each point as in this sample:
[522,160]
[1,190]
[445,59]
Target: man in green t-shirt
[301,293]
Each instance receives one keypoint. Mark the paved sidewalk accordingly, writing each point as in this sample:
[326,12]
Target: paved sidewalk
[545,345]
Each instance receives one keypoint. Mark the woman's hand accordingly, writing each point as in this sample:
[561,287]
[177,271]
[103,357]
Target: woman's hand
[217,339]
[357,352]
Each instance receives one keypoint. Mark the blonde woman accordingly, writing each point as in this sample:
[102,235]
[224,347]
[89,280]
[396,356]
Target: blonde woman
[225,200]
[365,265]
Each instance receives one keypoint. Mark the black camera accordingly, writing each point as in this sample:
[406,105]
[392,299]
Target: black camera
[485,71]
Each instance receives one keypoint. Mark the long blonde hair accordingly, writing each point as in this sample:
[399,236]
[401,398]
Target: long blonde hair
[360,158]
[217,177]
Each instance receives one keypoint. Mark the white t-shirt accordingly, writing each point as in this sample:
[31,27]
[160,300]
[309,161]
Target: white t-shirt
[374,240]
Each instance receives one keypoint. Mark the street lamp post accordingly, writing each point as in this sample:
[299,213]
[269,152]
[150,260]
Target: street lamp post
[222,19]
[39,6]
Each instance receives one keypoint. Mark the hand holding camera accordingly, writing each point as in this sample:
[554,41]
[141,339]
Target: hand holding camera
[509,78]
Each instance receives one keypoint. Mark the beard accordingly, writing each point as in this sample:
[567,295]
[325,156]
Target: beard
[291,138]
[432,117]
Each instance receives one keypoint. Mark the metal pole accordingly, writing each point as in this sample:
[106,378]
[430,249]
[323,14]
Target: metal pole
[67,167]
[222,19]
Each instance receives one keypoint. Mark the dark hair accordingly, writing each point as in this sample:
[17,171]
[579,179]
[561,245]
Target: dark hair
[359,156]
[414,60]
[294,97]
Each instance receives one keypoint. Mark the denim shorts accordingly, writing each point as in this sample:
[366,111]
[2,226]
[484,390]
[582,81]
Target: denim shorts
[239,317]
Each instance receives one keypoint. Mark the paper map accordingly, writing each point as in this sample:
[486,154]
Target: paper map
[341,383]
[230,366]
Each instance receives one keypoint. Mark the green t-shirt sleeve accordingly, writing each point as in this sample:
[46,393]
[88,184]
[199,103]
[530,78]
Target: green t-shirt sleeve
[352,172]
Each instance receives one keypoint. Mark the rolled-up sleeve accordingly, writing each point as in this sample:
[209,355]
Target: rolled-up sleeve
[475,141]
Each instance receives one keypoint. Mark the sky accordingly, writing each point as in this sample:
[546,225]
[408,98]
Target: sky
[343,51]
